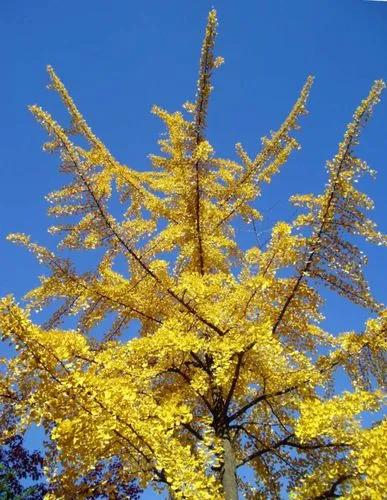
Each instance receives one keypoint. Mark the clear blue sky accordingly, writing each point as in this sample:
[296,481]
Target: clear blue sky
[118,58]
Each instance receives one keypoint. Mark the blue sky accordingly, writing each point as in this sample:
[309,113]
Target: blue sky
[118,58]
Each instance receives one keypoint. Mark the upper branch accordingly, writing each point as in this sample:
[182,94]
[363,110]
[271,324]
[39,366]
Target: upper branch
[207,63]
[106,219]
[328,210]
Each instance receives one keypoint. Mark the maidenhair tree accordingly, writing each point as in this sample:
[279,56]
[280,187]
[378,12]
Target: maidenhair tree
[230,367]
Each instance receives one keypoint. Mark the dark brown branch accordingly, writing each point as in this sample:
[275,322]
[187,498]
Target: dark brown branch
[258,399]
[276,416]
[332,491]
[235,378]
[234,382]
[316,446]
[132,253]
[204,88]
[82,284]
[188,381]
[193,431]
[319,234]
[262,451]
[286,442]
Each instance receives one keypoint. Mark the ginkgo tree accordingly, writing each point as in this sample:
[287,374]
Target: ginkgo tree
[230,367]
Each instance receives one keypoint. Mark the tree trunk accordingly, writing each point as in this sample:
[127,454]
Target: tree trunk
[229,481]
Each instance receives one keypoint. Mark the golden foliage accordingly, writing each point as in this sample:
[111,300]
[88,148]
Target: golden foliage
[221,355]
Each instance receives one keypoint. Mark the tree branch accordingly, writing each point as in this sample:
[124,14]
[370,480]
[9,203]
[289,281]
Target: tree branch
[258,399]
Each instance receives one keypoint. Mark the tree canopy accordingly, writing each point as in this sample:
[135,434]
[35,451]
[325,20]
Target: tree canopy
[17,464]
[231,367]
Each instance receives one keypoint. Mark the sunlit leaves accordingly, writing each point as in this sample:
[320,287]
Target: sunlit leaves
[230,366]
